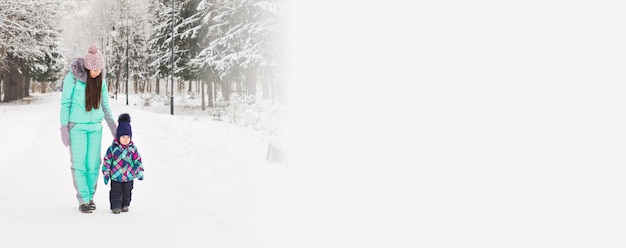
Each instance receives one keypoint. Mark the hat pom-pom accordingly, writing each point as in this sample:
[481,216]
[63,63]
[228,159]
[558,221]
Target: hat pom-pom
[124,118]
[93,48]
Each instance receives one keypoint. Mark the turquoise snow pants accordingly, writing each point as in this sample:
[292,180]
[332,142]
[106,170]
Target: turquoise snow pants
[85,143]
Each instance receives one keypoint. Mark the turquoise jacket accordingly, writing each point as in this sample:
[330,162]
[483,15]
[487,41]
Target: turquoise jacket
[73,99]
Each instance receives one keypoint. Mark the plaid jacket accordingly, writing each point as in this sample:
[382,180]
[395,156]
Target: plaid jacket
[122,163]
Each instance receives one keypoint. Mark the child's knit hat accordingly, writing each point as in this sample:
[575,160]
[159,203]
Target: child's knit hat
[94,59]
[123,126]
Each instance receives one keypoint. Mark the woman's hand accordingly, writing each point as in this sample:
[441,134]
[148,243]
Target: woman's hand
[65,135]
[113,129]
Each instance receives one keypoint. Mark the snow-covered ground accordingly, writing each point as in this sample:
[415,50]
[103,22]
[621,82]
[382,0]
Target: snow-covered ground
[207,183]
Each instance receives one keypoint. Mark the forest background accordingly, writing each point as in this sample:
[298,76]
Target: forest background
[224,54]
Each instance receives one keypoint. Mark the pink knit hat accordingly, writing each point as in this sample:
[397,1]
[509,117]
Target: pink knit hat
[94,59]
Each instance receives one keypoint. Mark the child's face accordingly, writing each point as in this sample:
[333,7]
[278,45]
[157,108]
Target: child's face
[124,139]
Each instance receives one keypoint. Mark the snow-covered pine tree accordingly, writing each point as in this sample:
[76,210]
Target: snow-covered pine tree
[29,44]
[160,41]
[242,42]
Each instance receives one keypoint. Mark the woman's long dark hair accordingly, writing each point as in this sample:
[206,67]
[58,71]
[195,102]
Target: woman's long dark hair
[93,92]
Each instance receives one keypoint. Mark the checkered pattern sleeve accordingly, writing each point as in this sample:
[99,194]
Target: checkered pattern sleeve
[137,165]
[106,165]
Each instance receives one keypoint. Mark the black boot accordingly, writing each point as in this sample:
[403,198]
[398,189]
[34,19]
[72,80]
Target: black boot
[92,205]
[85,208]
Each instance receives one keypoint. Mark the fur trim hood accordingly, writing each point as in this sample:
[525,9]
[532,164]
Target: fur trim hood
[77,67]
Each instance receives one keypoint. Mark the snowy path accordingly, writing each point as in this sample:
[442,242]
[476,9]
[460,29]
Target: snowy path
[206,184]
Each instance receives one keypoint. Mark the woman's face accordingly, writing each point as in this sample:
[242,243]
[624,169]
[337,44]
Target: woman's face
[94,73]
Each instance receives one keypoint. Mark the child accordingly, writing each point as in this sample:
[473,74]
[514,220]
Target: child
[122,164]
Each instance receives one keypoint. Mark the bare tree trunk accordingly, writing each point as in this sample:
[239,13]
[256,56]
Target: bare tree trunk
[216,88]
[251,80]
[20,87]
[11,85]
[226,90]
[266,89]
[26,87]
[167,88]
[8,88]
[117,80]
[211,93]
[202,95]
[156,87]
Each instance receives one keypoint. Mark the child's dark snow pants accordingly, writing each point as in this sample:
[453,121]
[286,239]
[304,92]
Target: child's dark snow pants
[120,194]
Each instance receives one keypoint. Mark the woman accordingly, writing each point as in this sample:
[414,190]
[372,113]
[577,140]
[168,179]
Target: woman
[84,103]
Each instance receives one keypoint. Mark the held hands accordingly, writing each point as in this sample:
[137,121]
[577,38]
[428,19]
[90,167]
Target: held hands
[65,135]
